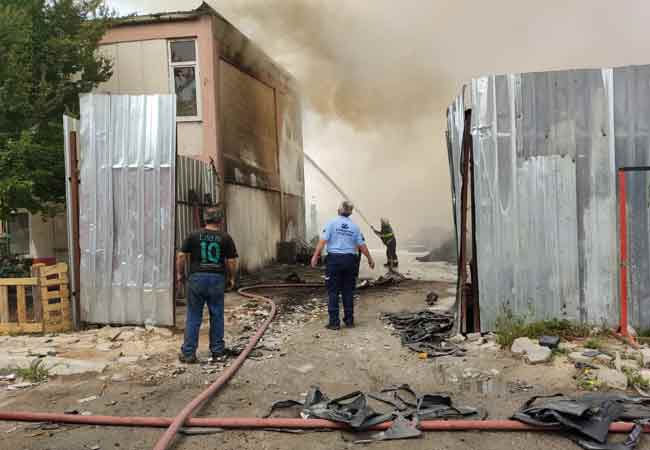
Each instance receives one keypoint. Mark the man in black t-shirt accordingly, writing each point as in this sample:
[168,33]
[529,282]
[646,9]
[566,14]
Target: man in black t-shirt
[213,263]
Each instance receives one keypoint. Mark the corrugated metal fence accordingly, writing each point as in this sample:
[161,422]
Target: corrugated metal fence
[196,188]
[546,151]
[126,208]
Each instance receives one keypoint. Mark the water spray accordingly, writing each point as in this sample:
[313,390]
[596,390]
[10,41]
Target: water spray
[337,187]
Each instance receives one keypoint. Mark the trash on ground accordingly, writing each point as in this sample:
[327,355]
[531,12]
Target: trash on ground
[549,341]
[293,277]
[588,417]
[401,404]
[17,386]
[432,298]
[425,331]
[389,278]
[87,399]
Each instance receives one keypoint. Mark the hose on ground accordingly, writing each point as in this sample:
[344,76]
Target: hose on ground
[255,423]
[184,419]
[192,406]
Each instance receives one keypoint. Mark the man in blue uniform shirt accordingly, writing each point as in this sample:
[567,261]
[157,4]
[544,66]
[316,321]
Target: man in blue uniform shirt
[343,239]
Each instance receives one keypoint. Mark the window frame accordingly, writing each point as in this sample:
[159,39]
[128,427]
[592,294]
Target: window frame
[7,229]
[197,75]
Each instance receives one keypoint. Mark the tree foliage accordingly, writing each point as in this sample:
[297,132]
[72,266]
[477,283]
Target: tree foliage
[48,56]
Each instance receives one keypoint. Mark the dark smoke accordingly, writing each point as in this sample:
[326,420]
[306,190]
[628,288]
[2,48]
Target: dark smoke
[377,76]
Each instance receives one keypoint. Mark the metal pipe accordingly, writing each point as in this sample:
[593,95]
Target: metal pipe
[186,412]
[622,204]
[254,423]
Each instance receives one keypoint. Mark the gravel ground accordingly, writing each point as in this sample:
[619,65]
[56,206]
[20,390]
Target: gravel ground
[298,353]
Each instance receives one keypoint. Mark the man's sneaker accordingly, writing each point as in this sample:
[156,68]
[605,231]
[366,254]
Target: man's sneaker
[185,359]
[329,326]
[219,356]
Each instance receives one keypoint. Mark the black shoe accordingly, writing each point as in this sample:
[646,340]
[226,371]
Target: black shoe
[329,326]
[219,356]
[349,324]
[185,359]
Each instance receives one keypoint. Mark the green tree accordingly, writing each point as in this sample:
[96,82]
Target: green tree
[48,56]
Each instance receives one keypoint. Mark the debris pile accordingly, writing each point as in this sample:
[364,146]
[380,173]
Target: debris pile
[425,331]
[401,404]
[587,418]
[533,352]
[432,298]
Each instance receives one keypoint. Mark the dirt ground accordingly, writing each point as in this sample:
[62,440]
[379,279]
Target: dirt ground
[368,357]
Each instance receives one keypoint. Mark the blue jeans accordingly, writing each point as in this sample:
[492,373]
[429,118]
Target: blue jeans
[341,278]
[204,288]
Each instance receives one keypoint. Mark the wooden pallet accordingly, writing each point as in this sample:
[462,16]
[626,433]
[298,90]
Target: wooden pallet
[38,304]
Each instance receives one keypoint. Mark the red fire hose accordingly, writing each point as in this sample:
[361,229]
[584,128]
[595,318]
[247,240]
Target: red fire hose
[184,417]
[253,423]
[192,406]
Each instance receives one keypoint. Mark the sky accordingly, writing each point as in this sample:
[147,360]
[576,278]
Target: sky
[376,77]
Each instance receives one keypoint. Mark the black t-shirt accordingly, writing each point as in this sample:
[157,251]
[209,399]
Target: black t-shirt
[209,249]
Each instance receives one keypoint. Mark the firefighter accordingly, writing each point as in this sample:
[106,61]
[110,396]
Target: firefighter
[387,236]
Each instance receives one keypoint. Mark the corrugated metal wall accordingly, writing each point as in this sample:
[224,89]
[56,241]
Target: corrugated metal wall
[455,126]
[196,188]
[127,172]
[545,195]
[631,107]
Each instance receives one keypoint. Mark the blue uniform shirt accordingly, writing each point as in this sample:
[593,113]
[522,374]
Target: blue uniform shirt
[342,236]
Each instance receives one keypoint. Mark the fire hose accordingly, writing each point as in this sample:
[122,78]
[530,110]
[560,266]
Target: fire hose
[184,419]
[256,423]
[186,412]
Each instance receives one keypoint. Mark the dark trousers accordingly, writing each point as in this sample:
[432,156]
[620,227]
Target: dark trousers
[391,251]
[204,288]
[341,277]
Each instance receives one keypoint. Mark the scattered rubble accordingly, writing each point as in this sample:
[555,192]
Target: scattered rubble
[432,298]
[66,366]
[538,355]
[549,341]
[521,345]
[394,403]
[612,378]
[645,357]
[425,331]
[587,419]
[532,352]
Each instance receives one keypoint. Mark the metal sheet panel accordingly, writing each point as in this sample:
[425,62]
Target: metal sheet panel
[127,171]
[455,126]
[545,196]
[70,124]
[198,177]
[631,107]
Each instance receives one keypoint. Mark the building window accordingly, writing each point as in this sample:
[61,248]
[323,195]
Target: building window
[184,73]
[18,231]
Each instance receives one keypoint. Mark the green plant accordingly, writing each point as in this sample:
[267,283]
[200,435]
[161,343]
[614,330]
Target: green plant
[34,373]
[634,378]
[49,56]
[595,343]
[587,380]
[509,327]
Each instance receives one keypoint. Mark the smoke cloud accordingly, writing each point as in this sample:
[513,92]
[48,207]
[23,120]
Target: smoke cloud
[377,76]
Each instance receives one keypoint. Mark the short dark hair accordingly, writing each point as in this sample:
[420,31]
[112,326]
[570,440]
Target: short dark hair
[346,208]
[212,215]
